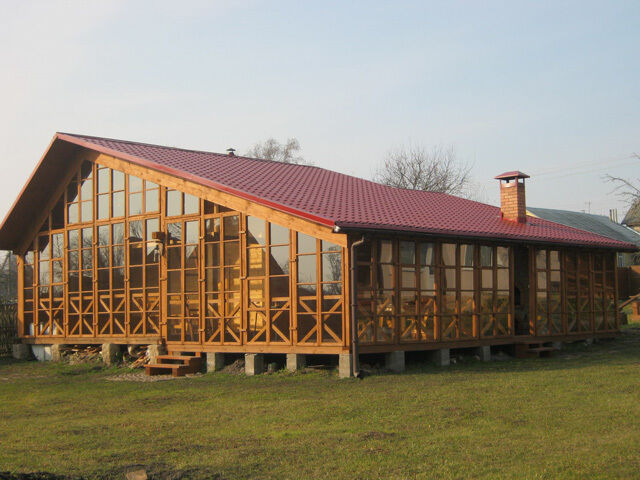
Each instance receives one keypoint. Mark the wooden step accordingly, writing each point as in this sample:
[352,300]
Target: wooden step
[533,350]
[180,359]
[185,353]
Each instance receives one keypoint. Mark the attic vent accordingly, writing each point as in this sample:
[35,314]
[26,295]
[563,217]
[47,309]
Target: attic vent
[231,152]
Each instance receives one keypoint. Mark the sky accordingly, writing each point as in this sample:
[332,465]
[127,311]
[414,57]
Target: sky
[548,88]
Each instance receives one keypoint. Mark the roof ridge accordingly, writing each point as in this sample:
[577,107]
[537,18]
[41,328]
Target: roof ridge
[146,144]
[132,142]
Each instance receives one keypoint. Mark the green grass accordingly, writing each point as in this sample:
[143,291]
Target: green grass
[573,416]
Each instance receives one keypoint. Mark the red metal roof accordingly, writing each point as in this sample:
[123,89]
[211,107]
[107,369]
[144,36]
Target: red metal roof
[336,199]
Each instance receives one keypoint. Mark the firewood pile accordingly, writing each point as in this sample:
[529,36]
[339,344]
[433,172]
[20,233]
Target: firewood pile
[135,356]
[80,353]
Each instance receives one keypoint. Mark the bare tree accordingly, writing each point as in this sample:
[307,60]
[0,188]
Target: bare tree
[418,168]
[627,189]
[271,149]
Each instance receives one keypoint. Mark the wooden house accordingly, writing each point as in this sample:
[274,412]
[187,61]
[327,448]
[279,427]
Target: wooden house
[121,242]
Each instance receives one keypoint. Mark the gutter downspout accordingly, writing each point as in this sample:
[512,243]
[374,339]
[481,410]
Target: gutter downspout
[355,364]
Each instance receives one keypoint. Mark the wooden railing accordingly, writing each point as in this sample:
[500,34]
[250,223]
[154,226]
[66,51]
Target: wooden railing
[8,327]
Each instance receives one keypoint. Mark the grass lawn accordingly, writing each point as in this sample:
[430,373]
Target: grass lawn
[573,416]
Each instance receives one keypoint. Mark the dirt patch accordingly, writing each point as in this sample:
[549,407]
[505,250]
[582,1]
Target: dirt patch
[144,378]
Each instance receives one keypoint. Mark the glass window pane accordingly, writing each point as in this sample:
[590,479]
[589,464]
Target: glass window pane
[307,269]
[408,277]
[279,261]
[103,180]
[449,254]
[174,203]
[87,211]
[331,267]
[153,225]
[466,255]
[407,253]
[72,192]
[57,245]
[136,231]
[87,237]
[232,253]
[486,256]
[231,227]
[135,184]
[72,213]
[118,204]
[103,235]
[73,239]
[329,247]
[502,257]
[385,276]
[175,233]
[256,228]
[541,259]
[151,198]
[191,204]
[256,261]
[117,231]
[279,235]
[212,229]
[192,232]
[385,251]
[426,253]
[103,207]
[135,204]
[279,287]
[427,278]
[306,243]
[118,181]
[554,260]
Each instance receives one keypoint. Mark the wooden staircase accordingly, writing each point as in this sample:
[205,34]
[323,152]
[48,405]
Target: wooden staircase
[534,350]
[175,363]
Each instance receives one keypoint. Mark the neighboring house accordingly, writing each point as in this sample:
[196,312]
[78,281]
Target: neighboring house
[598,224]
[121,242]
[632,218]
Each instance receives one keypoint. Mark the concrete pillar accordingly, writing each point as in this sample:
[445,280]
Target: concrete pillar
[484,353]
[154,350]
[588,341]
[253,363]
[345,365]
[296,361]
[56,352]
[441,357]
[41,352]
[215,361]
[20,351]
[394,361]
[557,345]
[110,353]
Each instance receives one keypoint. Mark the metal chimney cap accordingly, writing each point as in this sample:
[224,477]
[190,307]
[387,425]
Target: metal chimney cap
[231,151]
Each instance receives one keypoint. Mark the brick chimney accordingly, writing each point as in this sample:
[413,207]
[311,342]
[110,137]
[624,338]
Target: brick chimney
[513,205]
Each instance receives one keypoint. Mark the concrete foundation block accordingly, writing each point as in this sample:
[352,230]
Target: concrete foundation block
[110,353]
[394,361]
[557,345]
[215,361]
[253,363]
[41,352]
[296,361]
[56,352]
[154,350]
[484,353]
[345,365]
[441,357]
[20,351]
